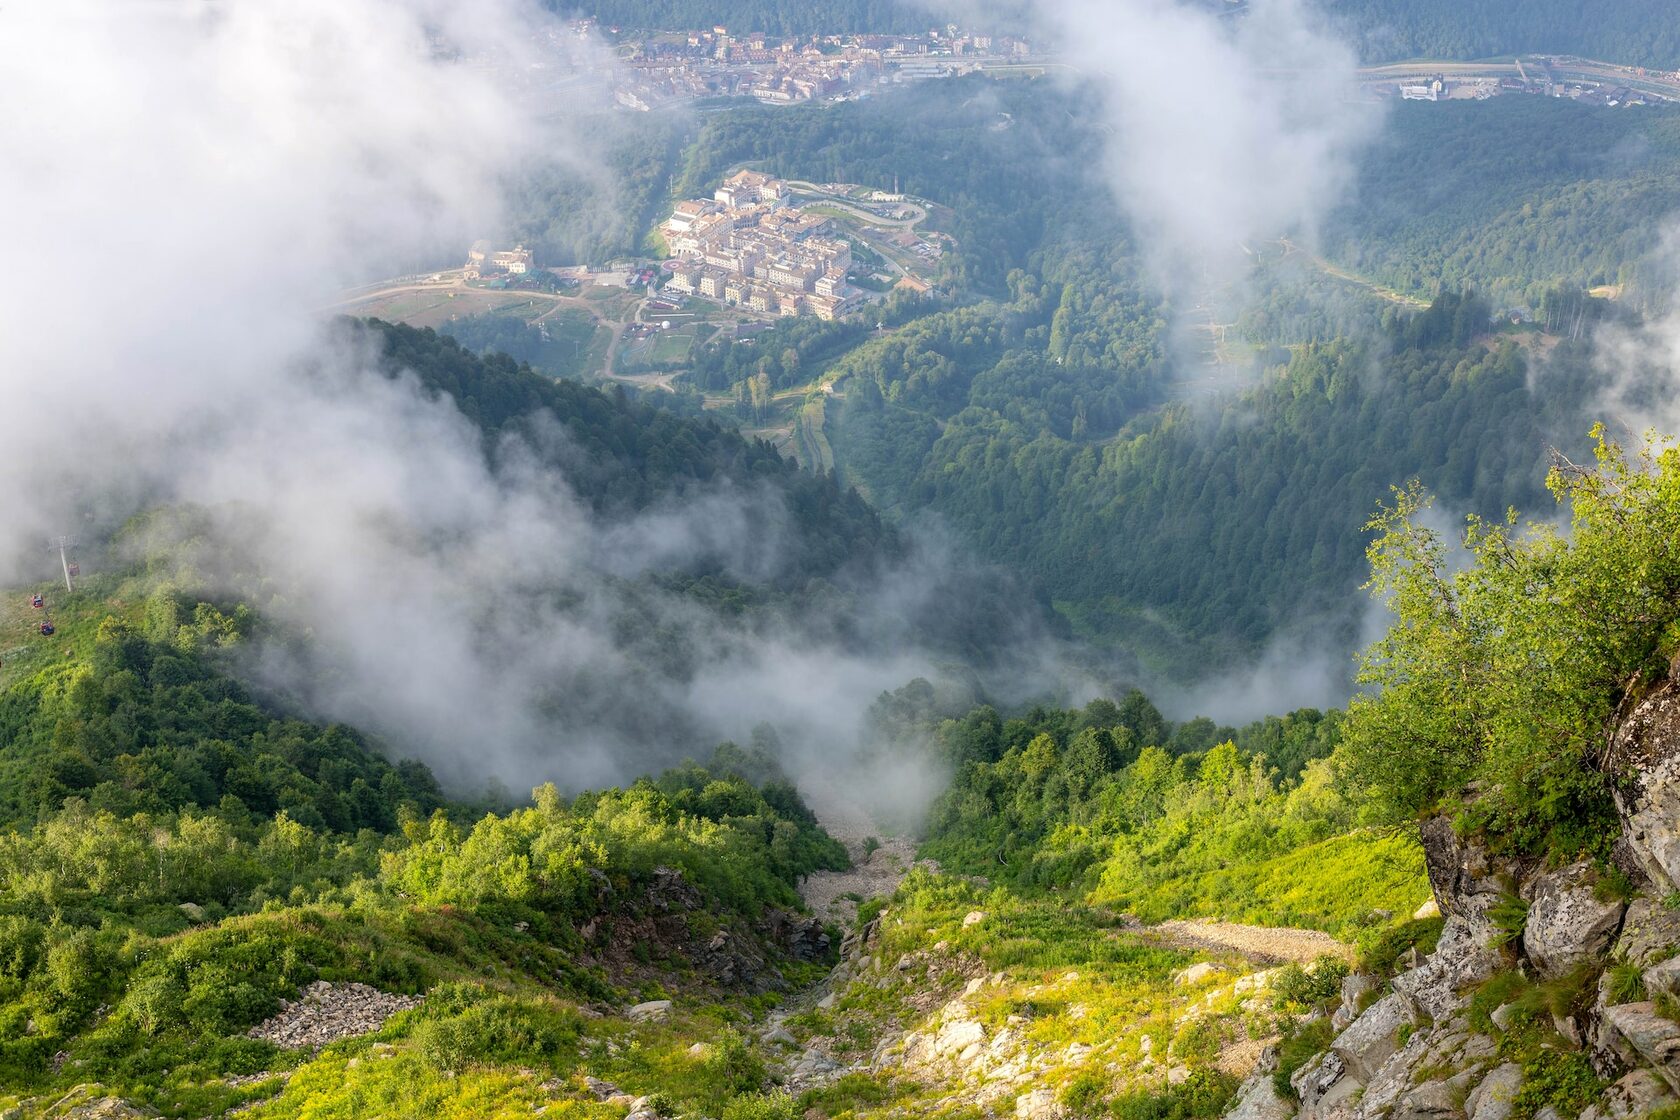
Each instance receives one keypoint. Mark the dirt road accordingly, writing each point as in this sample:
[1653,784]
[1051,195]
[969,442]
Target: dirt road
[1262,944]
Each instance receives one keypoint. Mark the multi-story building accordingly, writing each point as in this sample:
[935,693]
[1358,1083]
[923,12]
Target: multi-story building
[746,246]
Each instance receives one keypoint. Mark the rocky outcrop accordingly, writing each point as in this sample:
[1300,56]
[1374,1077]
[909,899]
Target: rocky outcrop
[1258,1098]
[1634,1097]
[1568,925]
[1650,930]
[1373,1038]
[1467,879]
[1653,1036]
[325,1013]
[1495,1097]
[1645,761]
[1464,956]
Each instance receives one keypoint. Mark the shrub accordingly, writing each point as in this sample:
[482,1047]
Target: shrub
[1204,1096]
[1298,987]
[733,1065]
[499,1030]
[762,1106]
[1381,956]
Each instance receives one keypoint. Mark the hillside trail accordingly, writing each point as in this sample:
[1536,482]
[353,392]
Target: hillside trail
[1267,945]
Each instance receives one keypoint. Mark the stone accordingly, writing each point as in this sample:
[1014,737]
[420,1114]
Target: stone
[1649,930]
[1496,1095]
[1039,1104]
[652,1009]
[1567,925]
[1355,987]
[1664,976]
[973,918]
[1430,909]
[1433,1100]
[192,910]
[1465,955]
[1633,1097]
[1372,1038]
[1324,1086]
[1196,973]
[1644,759]
[958,1035]
[1654,1037]
[1178,1075]
[1502,1015]
[1258,1098]
[780,1036]
[826,1003]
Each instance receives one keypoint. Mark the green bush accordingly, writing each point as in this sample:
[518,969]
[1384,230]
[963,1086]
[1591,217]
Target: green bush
[1204,1096]
[1298,988]
[497,1029]
[733,1066]
[1380,953]
[762,1106]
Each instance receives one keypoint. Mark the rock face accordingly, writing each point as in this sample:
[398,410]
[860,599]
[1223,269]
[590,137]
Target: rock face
[1567,925]
[326,1013]
[1373,1038]
[1645,760]
[1467,879]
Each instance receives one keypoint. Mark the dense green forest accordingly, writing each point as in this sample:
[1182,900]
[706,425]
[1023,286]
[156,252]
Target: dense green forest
[1637,32]
[1224,519]
[1536,193]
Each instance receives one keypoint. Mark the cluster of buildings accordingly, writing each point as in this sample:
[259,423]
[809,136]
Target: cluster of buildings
[665,68]
[747,247]
[485,261]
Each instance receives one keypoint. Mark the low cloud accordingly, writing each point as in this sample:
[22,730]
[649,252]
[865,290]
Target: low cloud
[193,180]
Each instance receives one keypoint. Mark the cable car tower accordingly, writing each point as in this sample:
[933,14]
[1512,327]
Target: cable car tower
[70,570]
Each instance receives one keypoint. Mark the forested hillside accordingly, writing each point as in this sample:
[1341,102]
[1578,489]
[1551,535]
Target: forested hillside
[1536,194]
[177,860]
[1226,520]
[1638,32]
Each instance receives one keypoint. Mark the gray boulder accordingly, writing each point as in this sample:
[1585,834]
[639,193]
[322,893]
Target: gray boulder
[652,1009]
[1496,1096]
[1567,925]
[1655,1038]
[1635,1096]
[1258,1100]
[1373,1038]
[1464,956]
